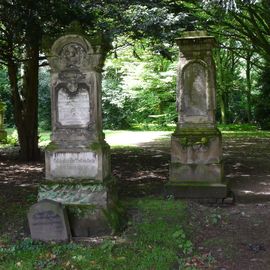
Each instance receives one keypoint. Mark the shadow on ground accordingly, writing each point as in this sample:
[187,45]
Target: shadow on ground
[235,236]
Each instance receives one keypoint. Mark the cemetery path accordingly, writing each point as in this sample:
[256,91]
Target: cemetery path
[234,235]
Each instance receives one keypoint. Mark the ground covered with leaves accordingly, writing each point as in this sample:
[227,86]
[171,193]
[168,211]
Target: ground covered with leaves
[161,233]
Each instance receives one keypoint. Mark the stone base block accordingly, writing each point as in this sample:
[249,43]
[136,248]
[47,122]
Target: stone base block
[194,190]
[3,135]
[83,193]
[91,206]
[196,146]
[77,163]
[88,220]
[212,173]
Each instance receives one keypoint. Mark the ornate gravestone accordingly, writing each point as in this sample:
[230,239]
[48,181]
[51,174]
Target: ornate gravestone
[196,152]
[3,133]
[78,159]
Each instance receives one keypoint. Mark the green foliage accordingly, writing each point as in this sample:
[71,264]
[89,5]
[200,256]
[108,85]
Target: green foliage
[5,96]
[44,100]
[156,93]
[184,244]
[12,138]
[139,91]
[152,241]
[238,127]
[262,111]
[116,216]
[117,104]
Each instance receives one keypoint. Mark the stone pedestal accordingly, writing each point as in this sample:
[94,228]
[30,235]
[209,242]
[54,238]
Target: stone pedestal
[78,172]
[3,133]
[196,169]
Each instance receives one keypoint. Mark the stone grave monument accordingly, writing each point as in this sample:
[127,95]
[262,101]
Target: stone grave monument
[196,169]
[48,221]
[77,161]
[3,133]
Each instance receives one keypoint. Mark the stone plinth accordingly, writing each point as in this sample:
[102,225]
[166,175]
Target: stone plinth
[196,147]
[77,170]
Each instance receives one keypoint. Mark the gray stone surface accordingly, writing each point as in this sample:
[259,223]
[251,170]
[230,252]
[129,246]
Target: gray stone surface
[77,161]
[72,193]
[193,149]
[196,191]
[196,147]
[194,86]
[76,112]
[88,223]
[196,101]
[48,221]
[73,164]
[73,110]
[211,173]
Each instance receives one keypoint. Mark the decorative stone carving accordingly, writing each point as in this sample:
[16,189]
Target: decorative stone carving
[78,158]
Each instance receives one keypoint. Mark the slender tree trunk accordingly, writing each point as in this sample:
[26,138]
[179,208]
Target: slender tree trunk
[28,126]
[248,80]
[223,99]
[224,107]
[25,100]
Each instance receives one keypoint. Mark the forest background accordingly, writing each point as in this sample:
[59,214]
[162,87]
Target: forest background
[139,78]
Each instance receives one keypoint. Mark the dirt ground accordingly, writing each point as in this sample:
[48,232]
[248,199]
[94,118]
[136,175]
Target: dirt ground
[234,235]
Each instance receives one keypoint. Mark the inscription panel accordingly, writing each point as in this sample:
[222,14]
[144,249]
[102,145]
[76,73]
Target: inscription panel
[67,164]
[47,221]
[195,99]
[73,109]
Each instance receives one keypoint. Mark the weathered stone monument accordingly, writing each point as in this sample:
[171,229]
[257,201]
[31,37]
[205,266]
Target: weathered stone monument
[196,168]
[3,133]
[77,160]
[48,221]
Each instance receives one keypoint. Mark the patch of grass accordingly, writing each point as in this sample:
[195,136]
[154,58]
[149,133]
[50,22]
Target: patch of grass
[246,134]
[155,239]
[243,131]
[132,139]
[44,137]
[153,127]
[123,149]
[237,127]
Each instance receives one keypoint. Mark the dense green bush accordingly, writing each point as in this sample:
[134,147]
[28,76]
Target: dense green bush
[5,96]
[44,107]
[262,110]
[117,105]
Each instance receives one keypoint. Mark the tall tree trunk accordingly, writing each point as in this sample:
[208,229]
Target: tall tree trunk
[25,100]
[224,107]
[28,126]
[248,80]
[222,92]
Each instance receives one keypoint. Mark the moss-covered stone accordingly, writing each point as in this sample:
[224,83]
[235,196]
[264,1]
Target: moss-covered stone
[96,146]
[115,216]
[197,131]
[194,140]
[80,210]
[51,147]
[3,136]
